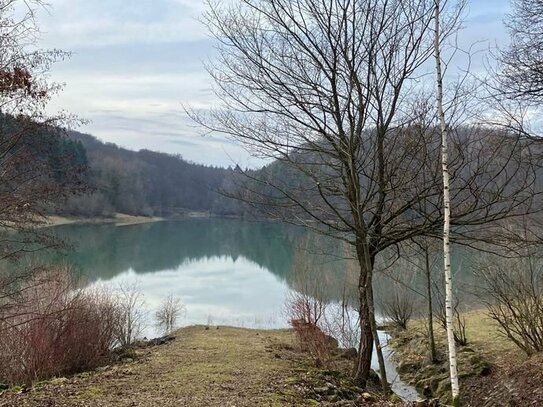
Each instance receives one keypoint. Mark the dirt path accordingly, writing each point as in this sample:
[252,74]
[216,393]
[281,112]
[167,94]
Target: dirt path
[202,367]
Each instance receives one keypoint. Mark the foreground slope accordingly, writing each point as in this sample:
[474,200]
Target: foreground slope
[201,367]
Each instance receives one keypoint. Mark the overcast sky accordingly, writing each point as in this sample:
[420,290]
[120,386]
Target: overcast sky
[136,62]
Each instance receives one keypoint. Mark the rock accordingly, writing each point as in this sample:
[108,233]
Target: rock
[443,388]
[427,392]
[374,378]
[432,382]
[407,367]
[367,397]
[327,390]
[161,341]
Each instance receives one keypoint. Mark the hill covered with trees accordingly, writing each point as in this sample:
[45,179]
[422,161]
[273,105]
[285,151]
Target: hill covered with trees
[147,183]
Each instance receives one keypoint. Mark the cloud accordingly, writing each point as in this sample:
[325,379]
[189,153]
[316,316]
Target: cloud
[83,24]
[136,63]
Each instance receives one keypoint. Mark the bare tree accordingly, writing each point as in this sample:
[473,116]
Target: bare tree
[513,290]
[168,313]
[398,301]
[34,174]
[131,321]
[522,62]
[325,89]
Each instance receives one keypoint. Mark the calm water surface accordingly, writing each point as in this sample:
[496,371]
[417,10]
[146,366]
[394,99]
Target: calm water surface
[225,271]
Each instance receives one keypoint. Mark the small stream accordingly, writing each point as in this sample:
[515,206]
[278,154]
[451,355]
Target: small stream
[406,391]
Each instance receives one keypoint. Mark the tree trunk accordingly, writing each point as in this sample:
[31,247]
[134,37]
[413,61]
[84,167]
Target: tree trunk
[433,353]
[365,348]
[382,368]
[455,388]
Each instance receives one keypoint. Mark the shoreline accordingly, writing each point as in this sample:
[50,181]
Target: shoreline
[119,219]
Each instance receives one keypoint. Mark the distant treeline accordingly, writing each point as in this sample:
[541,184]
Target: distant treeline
[145,183]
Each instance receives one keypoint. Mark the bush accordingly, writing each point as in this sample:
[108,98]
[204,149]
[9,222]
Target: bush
[51,328]
[305,314]
[514,294]
[131,315]
[168,313]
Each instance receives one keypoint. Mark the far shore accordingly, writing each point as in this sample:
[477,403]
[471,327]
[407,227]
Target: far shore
[119,219]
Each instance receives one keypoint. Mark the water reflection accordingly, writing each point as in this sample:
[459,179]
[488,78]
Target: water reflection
[231,271]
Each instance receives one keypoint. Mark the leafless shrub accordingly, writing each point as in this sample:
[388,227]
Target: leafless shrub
[341,321]
[398,306]
[131,321]
[305,314]
[54,328]
[513,289]
[169,312]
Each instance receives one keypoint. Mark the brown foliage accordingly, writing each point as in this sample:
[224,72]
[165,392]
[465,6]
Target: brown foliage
[310,337]
[51,328]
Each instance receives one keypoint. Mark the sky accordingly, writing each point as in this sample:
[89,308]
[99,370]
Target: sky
[135,64]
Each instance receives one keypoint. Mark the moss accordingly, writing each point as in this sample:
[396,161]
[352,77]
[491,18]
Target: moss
[91,393]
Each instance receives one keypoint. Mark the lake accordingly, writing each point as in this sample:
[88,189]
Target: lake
[226,271]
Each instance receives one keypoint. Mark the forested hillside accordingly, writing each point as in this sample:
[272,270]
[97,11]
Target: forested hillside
[147,183]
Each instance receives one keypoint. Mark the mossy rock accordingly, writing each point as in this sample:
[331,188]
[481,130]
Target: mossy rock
[431,370]
[408,367]
[472,364]
[432,382]
[374,378]
[347,394]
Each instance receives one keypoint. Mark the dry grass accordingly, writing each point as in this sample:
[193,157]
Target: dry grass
[202,367]
[483,335]
[513,378]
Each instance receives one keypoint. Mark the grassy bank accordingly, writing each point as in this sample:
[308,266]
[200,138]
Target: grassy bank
[493,372]
[204,367]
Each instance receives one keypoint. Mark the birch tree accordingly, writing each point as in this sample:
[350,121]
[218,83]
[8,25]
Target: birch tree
[446,210]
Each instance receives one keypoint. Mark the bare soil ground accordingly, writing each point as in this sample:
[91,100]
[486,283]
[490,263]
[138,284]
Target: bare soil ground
[201,367]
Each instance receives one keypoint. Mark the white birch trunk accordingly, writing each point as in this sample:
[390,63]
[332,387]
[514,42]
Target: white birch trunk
[447,211]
